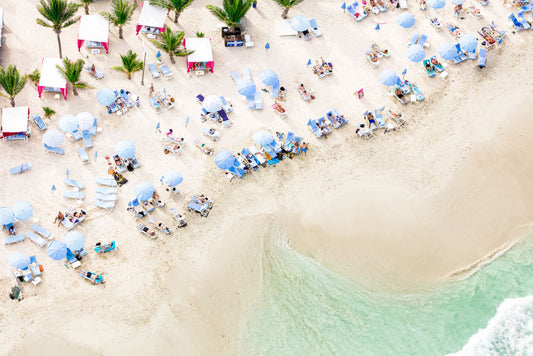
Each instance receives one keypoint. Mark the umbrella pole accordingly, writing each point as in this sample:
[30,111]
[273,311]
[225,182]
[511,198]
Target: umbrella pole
[144,61]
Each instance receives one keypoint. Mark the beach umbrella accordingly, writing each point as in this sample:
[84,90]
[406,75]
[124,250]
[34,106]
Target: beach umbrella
[144,191]
[448,50]
[300,23]
[389,78]
[224,160]
[212,103]
[53,138]
[172,178]
[309,62]
[22,210]
[416,53]
[158,54]
[74,240]
[53,187]
[68,123]
[6,216]
[19,260]
[468,42]
[267,46]
[57,250]
[125,149]
[263,138]
[436,4]
[457,2]
[343,6]
[105,96]
[269,77]
[406,20]
[246,87]
[377,27]
[85,120]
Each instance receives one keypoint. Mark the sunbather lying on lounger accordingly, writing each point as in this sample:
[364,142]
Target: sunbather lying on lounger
[76,216]
[146,229]
[327,66]
[324,127]
[277,106]
[171,147]
[400,95]
[305,94]
[119,178]
[92,276]
[423,5]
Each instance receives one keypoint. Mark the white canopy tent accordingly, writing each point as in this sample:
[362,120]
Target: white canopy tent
[95,30]
[51,78]
[202,56]
[151,17]
[15,121]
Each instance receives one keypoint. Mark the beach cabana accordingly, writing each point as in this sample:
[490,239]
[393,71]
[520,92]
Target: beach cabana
[94,31]
[151,19]
[15,123]
[201,58]
[51,79]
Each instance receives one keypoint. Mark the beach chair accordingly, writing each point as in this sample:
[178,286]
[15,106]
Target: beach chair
[179,218]
[145,230]
[200,98]
[416,91]
[36,271]
[314,28]
[108,205]
[454,31]
[378,114]
[74,183]
[87,139]
[258,155]
[364,133]
[110,182]
[471,55]
[475,12]
[403,4]
[356,11]
[76,135]
[289,139]
[414,39]
[246,74]
[135,161]
[56,150]
[214,134]
[73,195]
[461,57]
[207,150]
[72,260]
[20,169]
[99,277]
[522,19]
[26,274]
[165,70]
[429,71]
[38,240]
[106,190]
[438,67]
[373,58]
[13,239]
[39,122]
[83,155]
[482,58]
[258,100]
[235,76]
[42,231]
[224,117]
[484,2]
[313,126]
[69,225]
[396,117]
[155,104]
[380,51]
[106,197]
[320,121]
[226,105]
[435,22]
[153,70]
[248,43]
[423,41]
[160,228]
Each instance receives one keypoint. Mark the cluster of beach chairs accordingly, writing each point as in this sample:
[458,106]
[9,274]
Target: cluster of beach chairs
[221,115]
[122,102]
[324,68]
[76,191]
[323,126]
[375,54]
[359,11]
[375,121]
[161,99]
[406,92]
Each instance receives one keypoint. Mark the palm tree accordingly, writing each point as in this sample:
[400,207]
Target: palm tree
[172,5]
[120,15]
[232,12]
[71,71]
[12,82]
[86,3]
[129,63]
[286,5]
[170,43]
[60,14]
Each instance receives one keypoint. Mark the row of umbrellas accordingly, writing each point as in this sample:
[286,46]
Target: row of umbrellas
[407,20]
[145,190]
[22,210]
[226,159]
[68,123]
[247,87]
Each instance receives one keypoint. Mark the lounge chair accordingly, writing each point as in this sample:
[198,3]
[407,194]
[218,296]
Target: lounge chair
[42,231]
[97,74]
[102,248]
[475,11]
[248,43]
[372,58]
[110,182]
[416,91]
[56,150]
[35,266]
[125,98]
[378,114]
[39,121]
[454,30]
[98,279]
[471,55]
[356,11]
[147,231]
[482,57]
[106,190]
[108,205]
[461,57]
[38,240]
[258,155]
[83,155]
[73,195]
[226,105]
[200,98]
[313,126]
[160,228]
[435,22]
[397,117]
[403,4]
[258,100]
[289,139]
[246,74]
[153,70]
[438,67]
[171,147]
[380,51]
[20,169]
[314,28]
[279,110]
[135,162]
[165,70]
[364,133]
[203,208]
[106,197]
[414,39]
[307,95]
[155,104]
[224,117]
[235,76]
[484,2]
[13,239]
[207,150]
[179,218]
[76,135]
[87,139]
[429,71]
[423,41]
[214,134]
[74,183]
[27,276]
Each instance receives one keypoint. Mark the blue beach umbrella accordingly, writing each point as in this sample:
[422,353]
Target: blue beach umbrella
[246,87]
[105,96]
[406,20]
[212,103]
[19,260]
[224,160]
[53,138]
[377,27]
[457,2]
[343,6]
[68,123]
[6,216]
[57,250]
[158,54]
[125,149]
[172,178]
[263,138]
[468,42]
[74,240]
[144,191]
[436,4]
[416,53]
[85,120]
[300,23]
[448,50]
[389,78]
[267,46]
[309,62]
[22,210]
[269,77]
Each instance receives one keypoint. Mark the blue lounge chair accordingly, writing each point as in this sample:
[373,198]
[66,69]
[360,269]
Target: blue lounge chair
[76,135]
[87,139]
[379,118]
[200,98]
[125,97]
[39,121]
[236,171]
[484,2]
[110,182]
[250,102]
[73,195]
[69,225]
[106,190]
[153,70]
[314,28]
[482,57]
[108,205]
[337,113]
[522,19]
[414,39]
[35,266]
[112,108]
[226,106]
[258,100]
[430,72]
[155,104]
[202,209]
[224,117]
[101,248]
[71,258]
[519,25]
[13,239]
[461,57]
[99,277]
[439,67]
[38,240]
[235,76]
[83,155]
[41,231]
[106,197]
[135,162]
[471,55]
[165,70]
[320,121]
[74,183]
[422,40]
[27,275]
[19,169]
[416,90]
[314,127]
[56,150]
[289,138]
[356,11]
[246,74]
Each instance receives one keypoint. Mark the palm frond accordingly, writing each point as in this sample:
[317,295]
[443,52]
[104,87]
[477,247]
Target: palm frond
[11,80]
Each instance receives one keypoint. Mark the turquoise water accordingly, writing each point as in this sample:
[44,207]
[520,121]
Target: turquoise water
[306,309]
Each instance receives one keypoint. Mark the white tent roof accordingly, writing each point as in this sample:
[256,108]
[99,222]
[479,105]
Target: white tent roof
[50,76]
[15,119]
[201,47]
[94,28]
[153,16]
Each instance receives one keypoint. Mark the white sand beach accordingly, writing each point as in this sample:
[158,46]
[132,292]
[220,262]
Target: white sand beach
[434,197]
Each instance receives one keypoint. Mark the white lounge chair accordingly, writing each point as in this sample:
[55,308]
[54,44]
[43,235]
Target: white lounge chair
[248,41]
[38,240]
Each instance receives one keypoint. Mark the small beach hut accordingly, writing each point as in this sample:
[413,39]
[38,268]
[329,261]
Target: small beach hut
[201,58]
[152,19]
[51,79]
[94,31]
[15,123]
